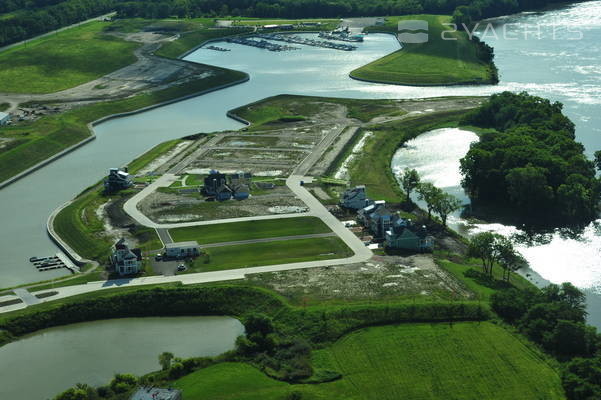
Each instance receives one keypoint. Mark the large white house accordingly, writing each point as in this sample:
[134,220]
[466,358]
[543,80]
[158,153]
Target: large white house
[125,260]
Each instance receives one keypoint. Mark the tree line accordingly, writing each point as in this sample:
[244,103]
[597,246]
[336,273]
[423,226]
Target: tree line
[29,18]
[554,318]
[530,162]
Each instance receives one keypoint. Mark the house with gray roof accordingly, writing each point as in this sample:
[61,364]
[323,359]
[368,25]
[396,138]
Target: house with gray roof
[405,235]
[354,198]
[4,118]
[154,393]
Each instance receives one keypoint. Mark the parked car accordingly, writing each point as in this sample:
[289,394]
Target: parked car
[158,257]
[182,267]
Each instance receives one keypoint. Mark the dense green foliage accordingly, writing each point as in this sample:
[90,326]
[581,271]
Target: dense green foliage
[555,318]
[531,164]
[439,61]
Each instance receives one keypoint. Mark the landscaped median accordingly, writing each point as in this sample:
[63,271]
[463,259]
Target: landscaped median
[452,59]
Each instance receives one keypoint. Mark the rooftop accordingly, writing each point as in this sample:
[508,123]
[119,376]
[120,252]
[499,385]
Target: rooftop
[3,115]
[181,244]
[151,393]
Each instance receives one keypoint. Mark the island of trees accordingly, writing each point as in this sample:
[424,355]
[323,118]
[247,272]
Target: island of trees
[528,161]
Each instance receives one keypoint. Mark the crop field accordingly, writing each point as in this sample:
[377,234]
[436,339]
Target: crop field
[270,253]
[63,60]
[436,62]
[250,230]
[464,361]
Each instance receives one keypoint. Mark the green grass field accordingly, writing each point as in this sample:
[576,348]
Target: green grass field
[410,361]
[250,230]
[270,253]
[63,60]
[437,62]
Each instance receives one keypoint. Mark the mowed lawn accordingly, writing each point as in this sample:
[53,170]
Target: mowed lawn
[270,253]
[437,62]
[63,60]
[236,231]
[396,362]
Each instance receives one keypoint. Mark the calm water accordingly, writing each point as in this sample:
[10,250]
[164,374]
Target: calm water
[553,64]
[48,362]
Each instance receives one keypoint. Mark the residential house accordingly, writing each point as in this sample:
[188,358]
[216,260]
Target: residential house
[223,193]
[118,179]
[154,393]
[182,249]
[364,213]
[241,192]
[4,118]
[405,235]
[126,261]
[380,221]
[354,198]
[214,182]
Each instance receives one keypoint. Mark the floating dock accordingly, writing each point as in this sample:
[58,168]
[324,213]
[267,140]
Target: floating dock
[261,44]
[307,42]
[341,36]
[55,262]
[216,48]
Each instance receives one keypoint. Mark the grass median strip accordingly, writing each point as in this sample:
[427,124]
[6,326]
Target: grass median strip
[249,230]
[270,253]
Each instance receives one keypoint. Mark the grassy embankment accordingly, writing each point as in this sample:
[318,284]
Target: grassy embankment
[64,60]
[49,135]
[79,226]
[411,361]
[235,231]
[436,62]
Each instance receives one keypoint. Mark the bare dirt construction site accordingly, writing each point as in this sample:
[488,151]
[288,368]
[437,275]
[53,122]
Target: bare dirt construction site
[171,206]
[384,277]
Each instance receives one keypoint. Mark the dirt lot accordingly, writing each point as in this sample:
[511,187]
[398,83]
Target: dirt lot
[411,277]
[172,207]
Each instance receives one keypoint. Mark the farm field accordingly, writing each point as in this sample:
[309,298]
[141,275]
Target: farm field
[408,361]
[235,231]
[436,62]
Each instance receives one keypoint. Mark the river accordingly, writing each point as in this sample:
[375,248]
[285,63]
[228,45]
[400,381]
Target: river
[557,55]
[562,69]
[50,361]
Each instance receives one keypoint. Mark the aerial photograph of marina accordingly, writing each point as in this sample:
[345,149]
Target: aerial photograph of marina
[300,200]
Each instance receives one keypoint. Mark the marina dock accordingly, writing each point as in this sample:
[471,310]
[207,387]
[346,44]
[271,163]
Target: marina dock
[57,261]
[261,44]
[307,42]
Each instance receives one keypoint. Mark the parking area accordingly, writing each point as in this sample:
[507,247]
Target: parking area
[166,267]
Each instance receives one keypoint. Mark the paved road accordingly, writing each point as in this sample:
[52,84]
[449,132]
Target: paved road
[27,297]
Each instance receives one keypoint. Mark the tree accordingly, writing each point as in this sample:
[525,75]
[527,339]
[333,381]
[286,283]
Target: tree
[429,193]
[483,246]
[123,382]
[445,204]
[507,257]
[165,360]
[598,159]
[409,181]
